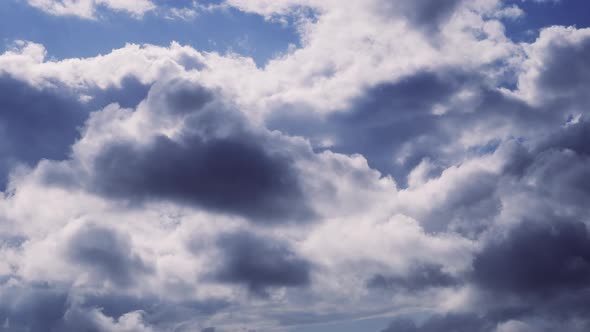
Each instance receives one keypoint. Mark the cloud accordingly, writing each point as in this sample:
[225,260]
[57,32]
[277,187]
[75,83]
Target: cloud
[420,278]
[128,93]
[572,137]
[537,275]
[146,64]
[381,122]
[545,79]
[216,161]
[493,321]
[229,175]
[536,259]
[41,308]
[106,254]
[94,320]
[557,166]
[260,263]
[87,9]
[35,124]
[35,309]
[430,14]
[451,322]
[391,155]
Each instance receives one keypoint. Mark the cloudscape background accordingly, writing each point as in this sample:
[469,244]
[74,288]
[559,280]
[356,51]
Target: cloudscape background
[294,165]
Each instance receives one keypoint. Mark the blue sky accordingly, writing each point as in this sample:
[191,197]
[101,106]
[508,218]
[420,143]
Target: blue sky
[540,15]
[294,165]
[219,30]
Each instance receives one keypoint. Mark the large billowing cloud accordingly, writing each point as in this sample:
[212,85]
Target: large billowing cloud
[189,149]
[409,161]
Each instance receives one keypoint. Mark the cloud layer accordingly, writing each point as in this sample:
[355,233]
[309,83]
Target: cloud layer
[408,161]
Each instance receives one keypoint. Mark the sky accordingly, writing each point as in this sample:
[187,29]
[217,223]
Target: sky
[294,166]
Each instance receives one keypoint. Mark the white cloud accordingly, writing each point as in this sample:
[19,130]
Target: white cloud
[88,8]
[342,54]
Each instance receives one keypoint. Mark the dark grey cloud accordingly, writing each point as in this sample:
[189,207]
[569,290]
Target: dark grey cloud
[381,121]
[536,259]
[538,274]
[425,14]
[218,163]
[565,74]
[107,254]
[563,178]
[48,307]
[518,159]
[35,124]
[420,278]
[44,122]
[398,120]
[234,175]
[260,263]
[538,271]
[38,308]
[43,309]
[390,115]
[559,166]
[185,97]
[542,264]
[469,208]
[573,137]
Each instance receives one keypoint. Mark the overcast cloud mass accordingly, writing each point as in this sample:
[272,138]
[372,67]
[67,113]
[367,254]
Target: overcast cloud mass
[295,166]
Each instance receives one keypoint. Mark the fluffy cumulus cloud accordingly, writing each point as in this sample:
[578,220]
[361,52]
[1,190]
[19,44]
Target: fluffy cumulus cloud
[408,161]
